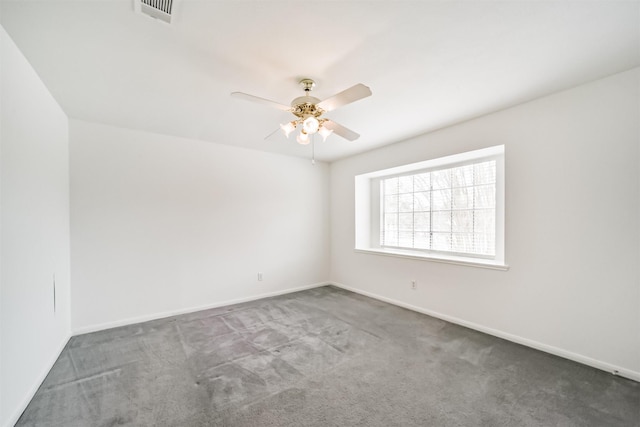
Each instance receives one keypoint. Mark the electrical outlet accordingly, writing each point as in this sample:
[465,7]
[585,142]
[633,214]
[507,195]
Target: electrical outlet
[259,277]
[414,284]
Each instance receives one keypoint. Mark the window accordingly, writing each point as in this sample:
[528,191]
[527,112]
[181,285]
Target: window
[449,209]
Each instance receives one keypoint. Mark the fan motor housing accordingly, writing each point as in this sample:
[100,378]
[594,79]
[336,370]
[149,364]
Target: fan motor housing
[305,106]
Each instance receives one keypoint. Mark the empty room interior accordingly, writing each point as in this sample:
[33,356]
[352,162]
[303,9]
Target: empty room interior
[329,213]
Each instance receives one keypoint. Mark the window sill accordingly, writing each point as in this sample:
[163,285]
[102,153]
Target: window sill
[480,263]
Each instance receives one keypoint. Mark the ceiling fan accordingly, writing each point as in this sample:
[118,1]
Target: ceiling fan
[308,111]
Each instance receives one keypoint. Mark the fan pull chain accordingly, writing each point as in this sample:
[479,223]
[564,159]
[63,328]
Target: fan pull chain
[313,149]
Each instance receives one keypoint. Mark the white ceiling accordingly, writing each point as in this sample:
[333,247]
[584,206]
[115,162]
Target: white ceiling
[429,63]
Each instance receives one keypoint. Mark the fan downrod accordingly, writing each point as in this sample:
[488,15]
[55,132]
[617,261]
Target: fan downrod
[307,85]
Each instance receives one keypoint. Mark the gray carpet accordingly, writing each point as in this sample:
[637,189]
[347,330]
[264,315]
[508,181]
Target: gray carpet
[323,357]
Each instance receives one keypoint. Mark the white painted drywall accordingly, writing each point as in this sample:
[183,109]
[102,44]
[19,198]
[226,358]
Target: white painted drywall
[161,224]
[572,226]
[34,231]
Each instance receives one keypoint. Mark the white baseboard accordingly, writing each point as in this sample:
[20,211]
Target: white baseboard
[608,367]
[13,419]
[161,315]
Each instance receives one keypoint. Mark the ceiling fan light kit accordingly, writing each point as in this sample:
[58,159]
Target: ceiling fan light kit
[308,111]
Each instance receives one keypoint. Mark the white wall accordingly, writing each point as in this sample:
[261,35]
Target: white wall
[34,231]
[162,224]
[572,227]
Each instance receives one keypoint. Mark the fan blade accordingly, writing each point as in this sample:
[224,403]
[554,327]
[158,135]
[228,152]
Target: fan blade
[345,97]
[340,130]
[271,134]
[257,99]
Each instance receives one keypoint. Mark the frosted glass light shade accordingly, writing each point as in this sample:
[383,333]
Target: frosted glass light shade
[310,125]
[288,128]
[303,138]
[324,132]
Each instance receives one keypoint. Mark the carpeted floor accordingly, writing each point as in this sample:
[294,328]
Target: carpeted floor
[323,357]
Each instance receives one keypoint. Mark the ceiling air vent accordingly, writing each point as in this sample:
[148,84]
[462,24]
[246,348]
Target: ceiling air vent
[159,9]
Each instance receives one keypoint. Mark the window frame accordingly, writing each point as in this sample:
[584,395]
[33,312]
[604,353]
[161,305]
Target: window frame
[369,212]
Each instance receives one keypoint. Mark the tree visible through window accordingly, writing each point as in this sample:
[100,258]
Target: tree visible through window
[448,210]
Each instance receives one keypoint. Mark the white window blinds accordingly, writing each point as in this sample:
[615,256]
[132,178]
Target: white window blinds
[448,210]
